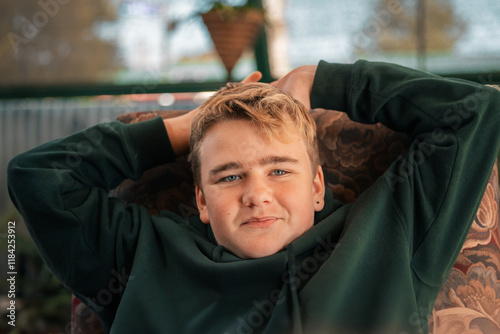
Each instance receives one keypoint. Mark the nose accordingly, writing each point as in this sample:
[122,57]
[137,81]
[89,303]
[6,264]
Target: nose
[257,192]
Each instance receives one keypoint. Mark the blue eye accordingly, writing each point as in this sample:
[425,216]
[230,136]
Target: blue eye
[230,178]
[279,172]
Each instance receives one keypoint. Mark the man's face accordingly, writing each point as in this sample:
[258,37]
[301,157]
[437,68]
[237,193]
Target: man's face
[258,195]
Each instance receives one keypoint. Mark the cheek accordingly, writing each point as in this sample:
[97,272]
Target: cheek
[221,206]
[296,193]
[299,202]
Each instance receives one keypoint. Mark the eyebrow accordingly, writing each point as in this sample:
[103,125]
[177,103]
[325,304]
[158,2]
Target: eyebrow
[224,167]
[268,160]
[275,159]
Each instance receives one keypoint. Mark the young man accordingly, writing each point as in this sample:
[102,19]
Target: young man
[271,252]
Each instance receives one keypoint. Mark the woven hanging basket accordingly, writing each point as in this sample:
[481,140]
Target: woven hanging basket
[233,35]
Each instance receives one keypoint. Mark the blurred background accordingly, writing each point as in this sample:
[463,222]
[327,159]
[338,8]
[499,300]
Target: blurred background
[68,64]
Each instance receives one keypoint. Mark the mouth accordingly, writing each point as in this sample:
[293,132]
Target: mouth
[261,222]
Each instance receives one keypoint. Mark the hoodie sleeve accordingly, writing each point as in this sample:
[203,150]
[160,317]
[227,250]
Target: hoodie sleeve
[61,190]
[455,130]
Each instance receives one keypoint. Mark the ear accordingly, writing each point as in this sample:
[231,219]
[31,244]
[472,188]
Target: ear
[202,205]
[318,188]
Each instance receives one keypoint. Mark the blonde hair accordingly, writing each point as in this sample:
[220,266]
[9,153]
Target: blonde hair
[276,113]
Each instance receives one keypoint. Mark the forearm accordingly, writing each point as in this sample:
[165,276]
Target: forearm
[101,156]
[179,130]
[402,99]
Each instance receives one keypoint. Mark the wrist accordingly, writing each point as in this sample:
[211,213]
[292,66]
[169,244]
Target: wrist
[179,131]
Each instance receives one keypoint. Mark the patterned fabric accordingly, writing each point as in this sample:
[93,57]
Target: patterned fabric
[167,187]
[354,156]
[469,302]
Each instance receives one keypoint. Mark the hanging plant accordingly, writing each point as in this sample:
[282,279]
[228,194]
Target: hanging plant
[233,29]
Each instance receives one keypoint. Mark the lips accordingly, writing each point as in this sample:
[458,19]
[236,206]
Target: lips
[260,222]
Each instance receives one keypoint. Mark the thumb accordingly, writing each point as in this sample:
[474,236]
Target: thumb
[252,77]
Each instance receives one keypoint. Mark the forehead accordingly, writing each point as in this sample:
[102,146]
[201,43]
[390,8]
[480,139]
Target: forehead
[242,140]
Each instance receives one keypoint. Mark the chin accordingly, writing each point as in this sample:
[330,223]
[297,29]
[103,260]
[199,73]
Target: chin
[260,252]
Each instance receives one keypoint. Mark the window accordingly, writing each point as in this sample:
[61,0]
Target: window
[156,42]
[113,42]
[441,36]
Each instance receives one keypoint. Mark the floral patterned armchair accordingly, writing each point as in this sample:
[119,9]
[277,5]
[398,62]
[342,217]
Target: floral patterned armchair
[354,155]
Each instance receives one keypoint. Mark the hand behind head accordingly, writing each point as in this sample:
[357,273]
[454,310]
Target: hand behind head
[298,83]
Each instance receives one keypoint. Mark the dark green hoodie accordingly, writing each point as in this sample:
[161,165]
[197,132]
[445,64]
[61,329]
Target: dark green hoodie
[375,265]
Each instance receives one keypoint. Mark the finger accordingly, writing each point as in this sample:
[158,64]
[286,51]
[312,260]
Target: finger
[252,77]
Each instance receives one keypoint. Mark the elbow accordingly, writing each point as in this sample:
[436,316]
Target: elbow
[13,169]
[21,171]
[14,175]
